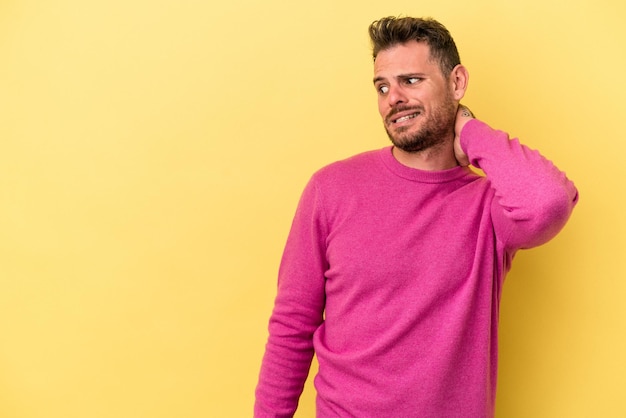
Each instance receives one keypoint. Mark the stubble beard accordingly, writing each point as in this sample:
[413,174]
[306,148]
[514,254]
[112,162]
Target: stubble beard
[434,132]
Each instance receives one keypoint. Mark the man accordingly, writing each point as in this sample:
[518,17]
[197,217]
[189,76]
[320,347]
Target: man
[393,269]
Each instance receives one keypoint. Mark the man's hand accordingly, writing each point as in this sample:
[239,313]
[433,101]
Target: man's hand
[463,115]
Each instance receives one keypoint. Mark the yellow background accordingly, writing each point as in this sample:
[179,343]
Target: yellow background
[152,154]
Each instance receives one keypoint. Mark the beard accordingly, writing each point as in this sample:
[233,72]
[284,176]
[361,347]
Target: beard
[436,129]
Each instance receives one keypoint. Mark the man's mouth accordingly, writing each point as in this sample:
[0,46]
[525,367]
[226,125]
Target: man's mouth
[399,116]
[405,118]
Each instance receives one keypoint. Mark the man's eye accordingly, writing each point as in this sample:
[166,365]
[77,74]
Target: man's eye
[383,89]
[412,80]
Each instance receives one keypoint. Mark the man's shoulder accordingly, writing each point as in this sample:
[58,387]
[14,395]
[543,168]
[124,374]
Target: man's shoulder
[364,163]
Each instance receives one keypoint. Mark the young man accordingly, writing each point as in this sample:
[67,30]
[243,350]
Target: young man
[393,269]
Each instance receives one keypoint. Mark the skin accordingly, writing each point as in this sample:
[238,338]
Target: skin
[417,100]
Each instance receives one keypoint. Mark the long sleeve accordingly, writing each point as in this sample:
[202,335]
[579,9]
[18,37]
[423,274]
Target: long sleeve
[297,313]
[533,198]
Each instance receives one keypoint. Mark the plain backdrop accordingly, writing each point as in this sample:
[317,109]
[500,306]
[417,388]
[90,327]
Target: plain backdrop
[152,154]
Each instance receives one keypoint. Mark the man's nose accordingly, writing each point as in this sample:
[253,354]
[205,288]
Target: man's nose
[396,96]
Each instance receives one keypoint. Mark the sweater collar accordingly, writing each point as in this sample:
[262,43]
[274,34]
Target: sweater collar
[423,176]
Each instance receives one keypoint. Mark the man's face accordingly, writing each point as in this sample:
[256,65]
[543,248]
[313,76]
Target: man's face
[414,98]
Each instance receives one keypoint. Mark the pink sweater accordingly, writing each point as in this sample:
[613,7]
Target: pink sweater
[393,277]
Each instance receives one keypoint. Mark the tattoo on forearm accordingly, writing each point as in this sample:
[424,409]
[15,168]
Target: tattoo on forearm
[465,112]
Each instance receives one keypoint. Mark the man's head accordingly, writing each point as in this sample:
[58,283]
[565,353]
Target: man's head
[419,81]
[391,31]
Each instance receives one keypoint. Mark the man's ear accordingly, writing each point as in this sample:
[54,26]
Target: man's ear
[459,78]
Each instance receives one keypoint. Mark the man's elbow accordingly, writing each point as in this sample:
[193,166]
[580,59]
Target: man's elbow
[550,215]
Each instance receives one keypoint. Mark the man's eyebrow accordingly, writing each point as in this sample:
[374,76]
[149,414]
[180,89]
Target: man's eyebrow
[419,75]
[400,76]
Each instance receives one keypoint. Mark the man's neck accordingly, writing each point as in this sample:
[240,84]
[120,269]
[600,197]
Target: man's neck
[432,159]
